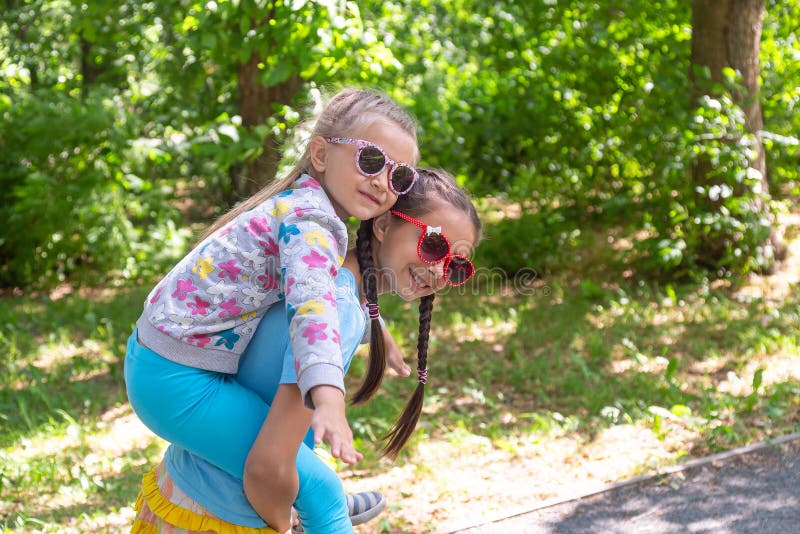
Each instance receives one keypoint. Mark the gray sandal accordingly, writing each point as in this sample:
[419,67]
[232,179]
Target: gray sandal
[365,506]
[362,507]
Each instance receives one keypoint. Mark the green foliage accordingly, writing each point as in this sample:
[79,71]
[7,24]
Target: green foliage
[780,70]
[85,208]
[299,47]
[579,111]
[719,218]
[306,38]
[538,241]
[119,135]
[585,106]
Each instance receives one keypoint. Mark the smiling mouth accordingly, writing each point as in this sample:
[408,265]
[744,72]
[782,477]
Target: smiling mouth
[371,198]
[417,280]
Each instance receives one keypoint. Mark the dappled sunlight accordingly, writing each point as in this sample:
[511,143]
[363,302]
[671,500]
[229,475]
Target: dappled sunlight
[784,281]
[494,465]
[463,478]
[50,357]
[120,432]
[48,444]
[709,366]
[776,369]
[655,365]
[493,209]
[83,458]
[618,451]
[115,521]
[489,330]
[54,355]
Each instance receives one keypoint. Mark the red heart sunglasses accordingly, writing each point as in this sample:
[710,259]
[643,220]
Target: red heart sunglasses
[434,247]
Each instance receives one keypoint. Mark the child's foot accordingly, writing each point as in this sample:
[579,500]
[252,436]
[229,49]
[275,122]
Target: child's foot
[365,506]
[362,507]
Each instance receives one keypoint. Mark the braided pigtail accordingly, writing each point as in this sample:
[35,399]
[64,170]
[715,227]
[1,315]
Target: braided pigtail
[405,425]
[369,281]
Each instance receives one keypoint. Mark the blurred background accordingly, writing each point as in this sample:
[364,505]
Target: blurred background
[635,165]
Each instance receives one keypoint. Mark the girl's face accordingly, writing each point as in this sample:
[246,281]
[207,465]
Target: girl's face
[402,270]
[352,193]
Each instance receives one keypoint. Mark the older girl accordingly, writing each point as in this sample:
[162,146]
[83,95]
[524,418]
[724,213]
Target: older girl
[413,251]
[282,247]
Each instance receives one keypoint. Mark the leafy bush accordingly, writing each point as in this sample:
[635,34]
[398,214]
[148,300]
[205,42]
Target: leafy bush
[536,241]
[717,219]
[77,198]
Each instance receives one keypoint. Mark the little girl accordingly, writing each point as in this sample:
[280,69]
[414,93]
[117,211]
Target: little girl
[282,246]
[405,252]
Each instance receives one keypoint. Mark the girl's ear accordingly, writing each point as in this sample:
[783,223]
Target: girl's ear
[380,225]
[318,150]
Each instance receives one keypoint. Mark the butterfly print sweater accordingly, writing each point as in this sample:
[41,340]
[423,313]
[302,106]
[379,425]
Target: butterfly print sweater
[285,251]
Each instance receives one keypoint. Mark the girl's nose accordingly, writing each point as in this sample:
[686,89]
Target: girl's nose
[381,180]
[437,270]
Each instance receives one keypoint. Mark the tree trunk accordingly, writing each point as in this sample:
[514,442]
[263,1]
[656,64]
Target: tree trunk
[256,105]
[727,33]
[89,70]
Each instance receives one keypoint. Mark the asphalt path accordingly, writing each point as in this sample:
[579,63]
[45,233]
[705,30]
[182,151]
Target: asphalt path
[754,489]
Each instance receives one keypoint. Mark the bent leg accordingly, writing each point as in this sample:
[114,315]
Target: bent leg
[205,412]
[321,502]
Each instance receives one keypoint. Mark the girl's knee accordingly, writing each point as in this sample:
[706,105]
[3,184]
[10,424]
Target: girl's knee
[324,481]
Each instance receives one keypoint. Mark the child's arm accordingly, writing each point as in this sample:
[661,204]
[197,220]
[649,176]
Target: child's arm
[312,244]
[329,423]
[271,481]
[394,358]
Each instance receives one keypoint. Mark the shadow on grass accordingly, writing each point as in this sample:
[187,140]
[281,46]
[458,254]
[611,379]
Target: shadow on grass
[101,497]
[57,400]
[62,359]
[501,365]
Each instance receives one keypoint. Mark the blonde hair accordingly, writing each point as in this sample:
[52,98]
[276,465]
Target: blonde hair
[346,112]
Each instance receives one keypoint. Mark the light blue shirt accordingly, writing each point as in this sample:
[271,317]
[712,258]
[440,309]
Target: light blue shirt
[267,362]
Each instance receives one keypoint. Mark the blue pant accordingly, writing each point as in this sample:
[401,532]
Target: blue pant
[217,418]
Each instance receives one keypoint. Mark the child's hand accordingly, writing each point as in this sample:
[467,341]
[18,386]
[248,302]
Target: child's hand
[394,358]
[330,424]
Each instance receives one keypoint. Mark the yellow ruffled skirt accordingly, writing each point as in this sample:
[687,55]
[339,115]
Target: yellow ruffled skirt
[163,508]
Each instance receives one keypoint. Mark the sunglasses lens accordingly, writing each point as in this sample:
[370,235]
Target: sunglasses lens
[402,179]
[434,247]
[371,160]
[459,270]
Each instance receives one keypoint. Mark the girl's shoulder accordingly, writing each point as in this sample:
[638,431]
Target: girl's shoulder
[305,194]
[346,280]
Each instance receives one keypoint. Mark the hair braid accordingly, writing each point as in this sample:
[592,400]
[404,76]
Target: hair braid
[433,184]
[369,281]
[407,421]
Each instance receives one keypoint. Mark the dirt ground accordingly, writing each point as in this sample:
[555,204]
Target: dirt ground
[443,488]
[450,483]
[446,488]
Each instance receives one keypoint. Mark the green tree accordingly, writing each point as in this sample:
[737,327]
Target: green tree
[260,57]
[118,108]
[726,36]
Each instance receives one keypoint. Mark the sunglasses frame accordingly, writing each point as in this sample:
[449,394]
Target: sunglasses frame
[428,230]
[389,162]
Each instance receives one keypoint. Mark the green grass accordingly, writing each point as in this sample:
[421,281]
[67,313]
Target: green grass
[570,359]
[60,377]
[504,367]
